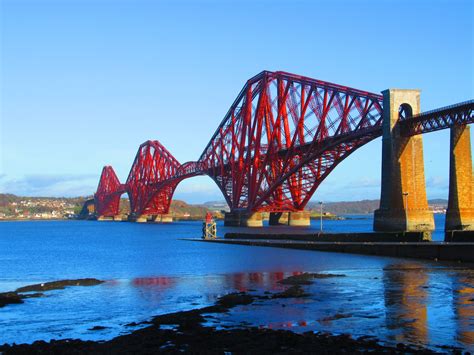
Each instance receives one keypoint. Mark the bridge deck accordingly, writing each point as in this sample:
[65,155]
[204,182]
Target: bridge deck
[441,118]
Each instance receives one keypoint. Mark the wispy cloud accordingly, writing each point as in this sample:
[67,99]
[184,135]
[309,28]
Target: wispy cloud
[196,191]
[363,183]
[437,182]
[49,184]
[200,191]
[352,189]
[193,187]
[437,187]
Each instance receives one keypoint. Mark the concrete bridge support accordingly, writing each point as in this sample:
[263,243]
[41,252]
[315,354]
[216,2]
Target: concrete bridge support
[299,219]
[243,219]
[403,202]
[295,219]
[163,218]
[105,218]
[460,213]
[142,218]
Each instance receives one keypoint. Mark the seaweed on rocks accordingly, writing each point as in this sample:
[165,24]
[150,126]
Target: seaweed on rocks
[291,292]
[14,297]
[98,327]
[59,285]
[207,340]
[194,318]
[192,337]
[10,298]
[17,296]
[306,278]
[184,320]
[234,299]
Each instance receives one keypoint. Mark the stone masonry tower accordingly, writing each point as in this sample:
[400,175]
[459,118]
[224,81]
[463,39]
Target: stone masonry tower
[403,203]
[460,213]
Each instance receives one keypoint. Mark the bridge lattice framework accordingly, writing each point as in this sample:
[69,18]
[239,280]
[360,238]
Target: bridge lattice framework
[281,137]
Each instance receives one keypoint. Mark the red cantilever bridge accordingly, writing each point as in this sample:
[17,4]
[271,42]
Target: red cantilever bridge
[282,136]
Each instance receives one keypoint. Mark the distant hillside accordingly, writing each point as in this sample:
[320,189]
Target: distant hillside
[438,201]
[216,205]
[337,208]
[6,199]
[360,207]
[20,207]
[181,208]
[347,207]
[178,209]
[12,206]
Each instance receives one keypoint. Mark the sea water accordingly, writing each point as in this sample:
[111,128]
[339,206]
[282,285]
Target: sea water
[149,270]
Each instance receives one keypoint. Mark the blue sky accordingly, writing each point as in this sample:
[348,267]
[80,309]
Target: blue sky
[83,83]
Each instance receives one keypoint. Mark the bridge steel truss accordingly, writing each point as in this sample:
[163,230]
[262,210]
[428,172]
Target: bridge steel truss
[441,118]
[283,135]
[107,196]
[280,139]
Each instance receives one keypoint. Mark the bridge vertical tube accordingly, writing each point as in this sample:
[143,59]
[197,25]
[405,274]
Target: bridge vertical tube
[403,202]
[460,213]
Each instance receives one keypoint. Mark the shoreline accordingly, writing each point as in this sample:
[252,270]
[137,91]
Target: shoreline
[205,330]
[189,334]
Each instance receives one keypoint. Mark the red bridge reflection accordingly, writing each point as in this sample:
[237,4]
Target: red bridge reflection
[154,281]
[244,281]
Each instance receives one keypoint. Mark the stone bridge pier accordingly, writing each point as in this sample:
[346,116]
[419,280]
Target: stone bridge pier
[243,218]
[160,218]
[294,219]
[255,219]
[460,212]
[403,202]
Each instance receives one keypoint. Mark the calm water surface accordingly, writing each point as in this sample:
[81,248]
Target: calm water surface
[149,271]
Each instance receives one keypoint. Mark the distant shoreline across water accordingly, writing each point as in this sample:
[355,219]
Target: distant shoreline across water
[21,208]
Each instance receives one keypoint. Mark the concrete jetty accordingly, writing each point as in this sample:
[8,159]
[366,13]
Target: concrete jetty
[442,251]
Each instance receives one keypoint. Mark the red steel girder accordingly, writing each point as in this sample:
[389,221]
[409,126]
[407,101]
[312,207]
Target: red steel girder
[153,164]
[264,155]
[282,136]
[107,196]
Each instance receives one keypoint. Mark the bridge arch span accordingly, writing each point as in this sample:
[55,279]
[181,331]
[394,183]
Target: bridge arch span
[281,137]
[153,165]
[107,196]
